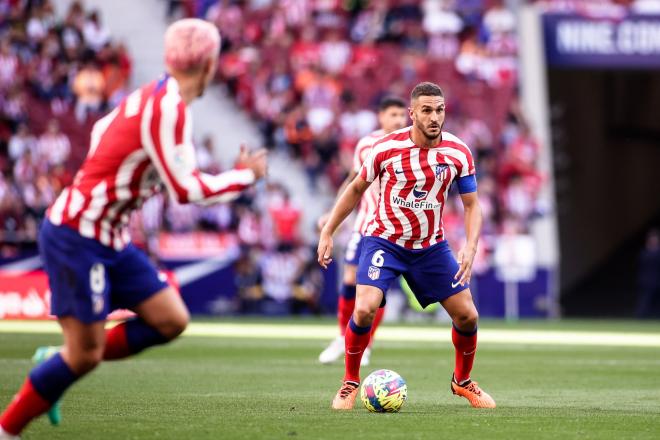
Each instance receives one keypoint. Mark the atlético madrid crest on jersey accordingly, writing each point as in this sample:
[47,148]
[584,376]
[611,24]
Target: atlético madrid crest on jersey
[441,171]
[374,272]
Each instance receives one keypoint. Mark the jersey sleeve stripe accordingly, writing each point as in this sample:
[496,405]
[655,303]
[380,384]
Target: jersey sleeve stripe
[181,120]
[176,156]
[150,141]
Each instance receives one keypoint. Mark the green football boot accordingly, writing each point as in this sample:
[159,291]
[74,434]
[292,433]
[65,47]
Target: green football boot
[42,354]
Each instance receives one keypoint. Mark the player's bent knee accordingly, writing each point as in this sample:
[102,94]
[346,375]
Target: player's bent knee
[467,320]
[363,315]
[166,313]
[85,361]
[180,323]
[175,324]
[472,319]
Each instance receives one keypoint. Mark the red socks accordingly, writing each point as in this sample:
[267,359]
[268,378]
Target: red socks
[466,347]
[357,340]
[344,312]
[27,405]
[116,345]
[52,377]
[129,338]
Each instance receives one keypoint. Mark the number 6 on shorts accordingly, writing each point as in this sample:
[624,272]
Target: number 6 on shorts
[377,259]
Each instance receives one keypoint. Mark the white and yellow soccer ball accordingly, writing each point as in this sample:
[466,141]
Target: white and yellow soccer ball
[384,391]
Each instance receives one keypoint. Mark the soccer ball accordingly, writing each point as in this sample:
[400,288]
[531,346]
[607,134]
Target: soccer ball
[384,391]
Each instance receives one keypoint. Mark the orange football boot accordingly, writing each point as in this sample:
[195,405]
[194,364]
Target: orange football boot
[477,397]
[345,398]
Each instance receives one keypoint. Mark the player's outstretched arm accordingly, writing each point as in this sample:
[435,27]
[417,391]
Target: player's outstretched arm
[167,138]
[187,184]
[473,221]
[343,207]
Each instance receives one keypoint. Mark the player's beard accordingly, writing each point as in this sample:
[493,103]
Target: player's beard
[430,136]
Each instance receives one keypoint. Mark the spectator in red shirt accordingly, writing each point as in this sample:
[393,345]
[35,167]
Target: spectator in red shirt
[286,218]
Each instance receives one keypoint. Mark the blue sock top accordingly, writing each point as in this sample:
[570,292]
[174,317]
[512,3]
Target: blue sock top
[357,329]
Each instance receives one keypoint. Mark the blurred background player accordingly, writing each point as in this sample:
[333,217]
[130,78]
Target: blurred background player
[415,166]
[391,117]
[92,265]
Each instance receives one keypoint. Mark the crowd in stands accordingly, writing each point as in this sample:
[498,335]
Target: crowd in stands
[310,73]
[57,75]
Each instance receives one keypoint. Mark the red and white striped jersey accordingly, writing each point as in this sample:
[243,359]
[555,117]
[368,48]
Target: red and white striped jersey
[370,197]
[144,142]
[414,183]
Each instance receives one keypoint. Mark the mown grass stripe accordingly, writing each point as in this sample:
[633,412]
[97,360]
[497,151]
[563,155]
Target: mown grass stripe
[398,333]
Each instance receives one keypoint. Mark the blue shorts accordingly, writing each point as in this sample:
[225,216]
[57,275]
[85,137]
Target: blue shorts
[429,272]
[353,249]
[89,280]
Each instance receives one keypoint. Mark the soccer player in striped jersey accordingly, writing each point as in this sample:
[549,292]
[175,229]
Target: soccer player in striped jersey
[92,266]
[392,116]
[415,167]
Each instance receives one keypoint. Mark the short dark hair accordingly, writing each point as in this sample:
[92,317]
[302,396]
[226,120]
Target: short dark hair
[391,101]
[426,89]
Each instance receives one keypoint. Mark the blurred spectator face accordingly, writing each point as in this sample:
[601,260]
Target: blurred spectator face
[35,27]
[512,226]
[499,19]
[94,33]
[20,143]
[319,119]
[22,130]
[5,47]
[53,126]
[71,38]
[392,118]
[428,115]
[335,53]
[8,64]
[51,45]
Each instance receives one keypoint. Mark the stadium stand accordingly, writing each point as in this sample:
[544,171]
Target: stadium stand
[57,75]
[308,72]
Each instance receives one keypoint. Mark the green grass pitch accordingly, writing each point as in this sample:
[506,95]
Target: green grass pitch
[224,388]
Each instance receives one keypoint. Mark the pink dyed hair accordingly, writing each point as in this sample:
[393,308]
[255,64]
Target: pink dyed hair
[189,43]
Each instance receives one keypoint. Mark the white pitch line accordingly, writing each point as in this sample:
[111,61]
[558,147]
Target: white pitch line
[385,333]
[22,266]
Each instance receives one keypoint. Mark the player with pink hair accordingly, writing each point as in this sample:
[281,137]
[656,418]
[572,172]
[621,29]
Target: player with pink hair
[191,49]
[141,146]
[189,42]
